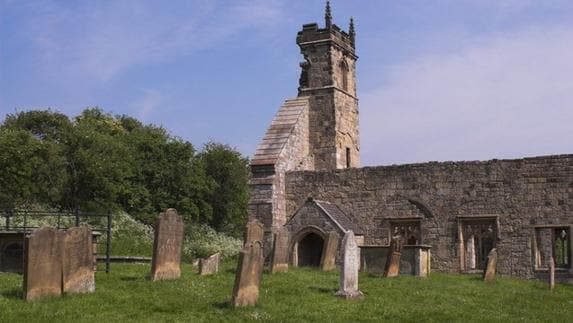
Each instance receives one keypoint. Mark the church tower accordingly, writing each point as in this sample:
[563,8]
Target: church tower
[328,78]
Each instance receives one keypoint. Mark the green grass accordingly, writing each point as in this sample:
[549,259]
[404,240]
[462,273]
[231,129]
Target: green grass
[299,295]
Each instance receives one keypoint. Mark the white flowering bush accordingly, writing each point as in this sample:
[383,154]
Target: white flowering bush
[204,241]
[130,237]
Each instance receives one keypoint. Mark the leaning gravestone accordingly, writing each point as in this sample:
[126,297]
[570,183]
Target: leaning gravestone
[350,265]
[394,256]
[42,264]
[328,260]
[279,262]
[166,262]
[77,261]
[209,265]
[248,276]
[489,273]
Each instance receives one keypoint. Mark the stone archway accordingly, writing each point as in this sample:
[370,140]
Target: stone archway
[309,250]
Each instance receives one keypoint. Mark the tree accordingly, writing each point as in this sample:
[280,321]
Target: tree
[229,170]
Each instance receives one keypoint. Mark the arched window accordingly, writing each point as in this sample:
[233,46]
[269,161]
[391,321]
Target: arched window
[344,74]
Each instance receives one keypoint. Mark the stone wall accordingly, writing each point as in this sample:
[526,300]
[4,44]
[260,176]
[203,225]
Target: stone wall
[517,194]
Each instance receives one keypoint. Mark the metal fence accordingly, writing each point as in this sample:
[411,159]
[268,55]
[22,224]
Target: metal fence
[25,221]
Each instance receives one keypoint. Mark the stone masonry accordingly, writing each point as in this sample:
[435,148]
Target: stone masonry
[459,210]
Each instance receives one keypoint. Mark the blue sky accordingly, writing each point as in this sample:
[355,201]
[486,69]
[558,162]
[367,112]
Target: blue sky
[437,79]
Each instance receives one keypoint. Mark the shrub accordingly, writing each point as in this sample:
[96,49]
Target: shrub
[205,241]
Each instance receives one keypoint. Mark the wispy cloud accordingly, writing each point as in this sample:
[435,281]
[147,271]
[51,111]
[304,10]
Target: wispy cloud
[99,40]
[506,96]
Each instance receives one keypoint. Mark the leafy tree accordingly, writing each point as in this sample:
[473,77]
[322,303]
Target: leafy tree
[230,197]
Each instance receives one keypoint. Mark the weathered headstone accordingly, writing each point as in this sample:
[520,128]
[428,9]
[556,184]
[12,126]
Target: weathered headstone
[279,261]
[166,262]
[551,273]
[328,259]
[43,264]
[489,272]
[248,276]
[255,231]
[350,265]
[209,265]
[77,261]
[394,256]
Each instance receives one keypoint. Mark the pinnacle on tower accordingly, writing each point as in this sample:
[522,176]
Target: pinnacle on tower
[328,16]
[351,31]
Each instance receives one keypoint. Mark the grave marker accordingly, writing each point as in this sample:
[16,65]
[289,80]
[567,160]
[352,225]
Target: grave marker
[248,276]
[166,262]
[279,261]
[394,256]
[209,265]
[489,272]
[42,264]
[328,259]
[77,261]
[350,265]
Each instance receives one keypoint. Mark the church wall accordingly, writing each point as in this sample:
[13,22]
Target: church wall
[519,194]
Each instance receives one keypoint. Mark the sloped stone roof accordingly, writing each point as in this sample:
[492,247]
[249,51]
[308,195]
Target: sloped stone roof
[336,214]
[277,135]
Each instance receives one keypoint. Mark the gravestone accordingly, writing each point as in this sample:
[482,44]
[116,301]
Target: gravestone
[328,260]
[209,265]
[350,265]
[489,272]
[166,262]
[254,231]
[394,256]
[248,276]
[77,261]
[279,262]
[42,264]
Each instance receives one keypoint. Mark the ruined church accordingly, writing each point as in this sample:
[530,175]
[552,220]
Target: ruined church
[307,179]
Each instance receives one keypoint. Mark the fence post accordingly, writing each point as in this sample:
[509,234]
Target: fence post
[108,242]
[77,214]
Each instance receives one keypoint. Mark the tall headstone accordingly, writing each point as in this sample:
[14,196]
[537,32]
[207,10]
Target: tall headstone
[209,265]
[328,259]
[248,276]
[350,265]
[254,232]
[489,273]
[279,261]
[394,256]
[166,262]
[77,261]
[42,264]
[551,273]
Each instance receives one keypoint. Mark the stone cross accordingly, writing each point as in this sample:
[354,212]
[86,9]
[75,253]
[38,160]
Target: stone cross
[210,265]
[248,275]
[166,262]
[350,265]
[43,264]
[489,272]
[328,260]
[279,261]
[394,256]
[77,262]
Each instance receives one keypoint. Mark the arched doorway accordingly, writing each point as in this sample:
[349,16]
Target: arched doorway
[309,250]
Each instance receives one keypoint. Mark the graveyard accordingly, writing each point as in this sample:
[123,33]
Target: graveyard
[301,294]
[116,220]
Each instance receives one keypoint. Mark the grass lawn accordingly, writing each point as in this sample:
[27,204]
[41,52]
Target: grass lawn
[297,296]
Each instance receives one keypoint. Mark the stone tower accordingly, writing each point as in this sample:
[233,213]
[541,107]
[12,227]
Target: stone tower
[318,130]
[328,78]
